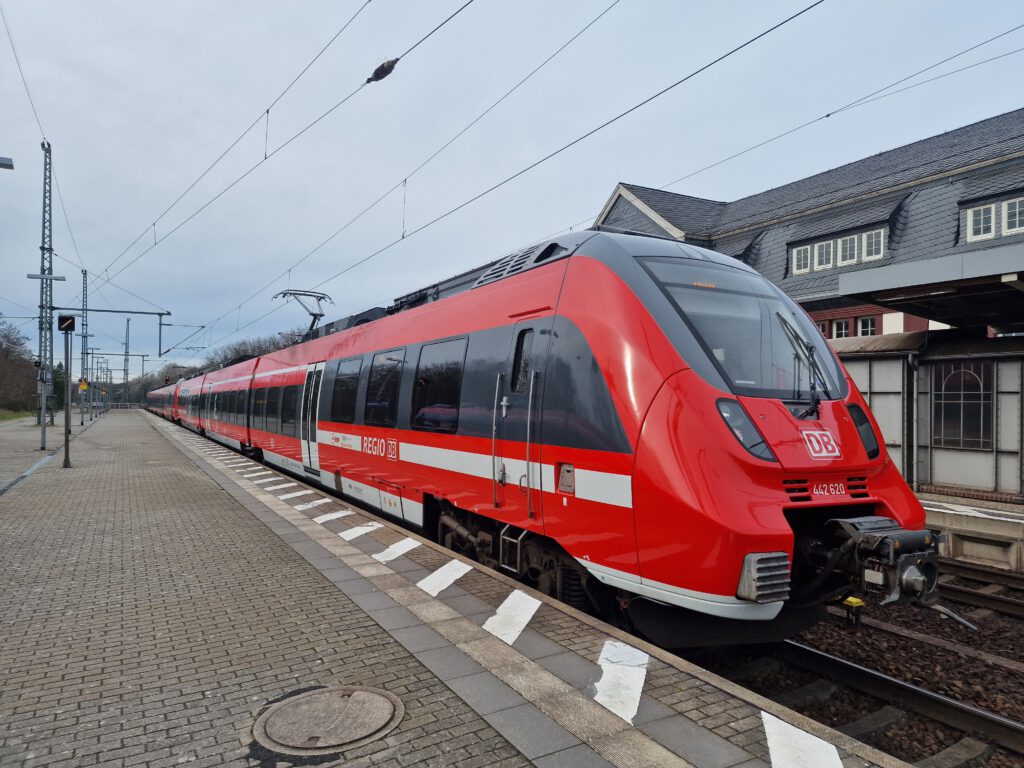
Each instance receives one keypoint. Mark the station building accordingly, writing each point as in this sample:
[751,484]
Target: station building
[911,262]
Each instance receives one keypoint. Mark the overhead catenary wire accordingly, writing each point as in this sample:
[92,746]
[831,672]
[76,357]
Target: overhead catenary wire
[573,143]
[555,152]
[24,81]
[267,156]
[404,180]
[869,98]
[265,113]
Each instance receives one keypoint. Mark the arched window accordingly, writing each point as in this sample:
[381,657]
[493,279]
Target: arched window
[962,405]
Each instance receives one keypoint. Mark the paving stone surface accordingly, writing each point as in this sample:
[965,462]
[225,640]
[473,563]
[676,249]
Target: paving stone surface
[19,444]
[147,618]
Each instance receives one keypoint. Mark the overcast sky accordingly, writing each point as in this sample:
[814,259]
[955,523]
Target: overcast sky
[138,98]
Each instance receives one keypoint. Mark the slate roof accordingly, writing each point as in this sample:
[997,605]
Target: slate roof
[699,214]
[923,215]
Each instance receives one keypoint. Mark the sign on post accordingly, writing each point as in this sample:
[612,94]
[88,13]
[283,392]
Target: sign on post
[66,323]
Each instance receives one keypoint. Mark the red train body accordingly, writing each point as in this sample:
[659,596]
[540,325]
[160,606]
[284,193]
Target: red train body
[630,423]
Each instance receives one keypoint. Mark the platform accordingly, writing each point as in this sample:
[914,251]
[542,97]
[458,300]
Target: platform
[162,593]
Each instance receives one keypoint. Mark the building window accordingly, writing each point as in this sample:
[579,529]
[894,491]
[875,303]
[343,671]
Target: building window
[823,255]
[1013,216]
[840,329]
[980,224]
[848,250]
[823,327]
[962,405]
[801,260]
[866,326]
[874,244]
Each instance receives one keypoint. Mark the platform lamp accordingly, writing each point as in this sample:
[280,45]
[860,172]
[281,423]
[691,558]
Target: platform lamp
[6,164]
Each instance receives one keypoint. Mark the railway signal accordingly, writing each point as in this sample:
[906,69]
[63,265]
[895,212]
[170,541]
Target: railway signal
[66,325]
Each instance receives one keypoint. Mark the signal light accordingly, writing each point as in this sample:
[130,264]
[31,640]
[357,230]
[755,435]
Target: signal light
[744,430]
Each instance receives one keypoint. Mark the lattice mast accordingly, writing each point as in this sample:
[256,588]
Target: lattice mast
[46,288]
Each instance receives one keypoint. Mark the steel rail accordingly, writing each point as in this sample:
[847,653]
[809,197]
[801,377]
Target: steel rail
[956,714]
[1010,606]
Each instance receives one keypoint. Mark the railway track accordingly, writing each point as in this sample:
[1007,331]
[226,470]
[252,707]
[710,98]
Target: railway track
[994,728]
[989,596]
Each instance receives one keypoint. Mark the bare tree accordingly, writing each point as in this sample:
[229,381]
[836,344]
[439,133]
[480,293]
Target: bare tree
[17,373]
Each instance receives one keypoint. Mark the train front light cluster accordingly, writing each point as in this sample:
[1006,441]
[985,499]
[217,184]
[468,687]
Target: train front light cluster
[744,430]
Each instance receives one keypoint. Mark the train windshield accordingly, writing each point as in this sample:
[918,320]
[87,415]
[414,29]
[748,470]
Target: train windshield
[762,343]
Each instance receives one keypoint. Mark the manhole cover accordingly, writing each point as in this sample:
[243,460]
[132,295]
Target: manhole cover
[328,720]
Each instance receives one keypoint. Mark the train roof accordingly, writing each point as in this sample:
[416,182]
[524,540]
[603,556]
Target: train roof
[527,258]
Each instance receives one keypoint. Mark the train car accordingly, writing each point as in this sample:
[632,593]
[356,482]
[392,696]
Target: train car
[634,425]
[163,401]
[189,411]
[224,404]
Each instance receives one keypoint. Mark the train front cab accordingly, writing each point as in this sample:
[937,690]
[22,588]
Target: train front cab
[761,487]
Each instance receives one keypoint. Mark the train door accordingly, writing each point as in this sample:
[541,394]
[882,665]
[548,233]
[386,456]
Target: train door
[206,408]
[309,418]
[519,476]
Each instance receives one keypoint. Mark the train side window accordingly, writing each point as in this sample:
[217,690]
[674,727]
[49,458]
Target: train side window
[259,400]
[274,409]
[382,392]
[522,361]
[346,385]
[240,409]
[437,387]
[289,406]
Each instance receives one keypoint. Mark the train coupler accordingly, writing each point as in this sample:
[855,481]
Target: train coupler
[885,558]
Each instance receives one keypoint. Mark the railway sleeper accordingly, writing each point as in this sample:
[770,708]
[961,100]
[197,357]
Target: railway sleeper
[965,752]
[873,722]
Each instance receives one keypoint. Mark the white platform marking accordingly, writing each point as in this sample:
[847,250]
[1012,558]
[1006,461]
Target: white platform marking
[311,504]
[623,670]
[305,492]
[397,549]
[512,616]
[443,577]
[793,748]
[266,480]
[259,474]
[359,530]
[331,516]
[278,487]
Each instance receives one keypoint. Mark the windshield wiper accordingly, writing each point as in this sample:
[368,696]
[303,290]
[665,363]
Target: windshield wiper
[807,351]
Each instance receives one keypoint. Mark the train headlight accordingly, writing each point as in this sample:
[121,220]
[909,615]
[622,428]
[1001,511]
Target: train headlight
[867,434]
[743,428]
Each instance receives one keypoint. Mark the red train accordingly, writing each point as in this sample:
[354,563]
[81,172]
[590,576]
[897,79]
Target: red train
[631,424]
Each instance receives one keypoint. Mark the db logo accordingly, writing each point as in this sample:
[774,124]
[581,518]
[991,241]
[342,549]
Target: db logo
[378,446]
[821,445]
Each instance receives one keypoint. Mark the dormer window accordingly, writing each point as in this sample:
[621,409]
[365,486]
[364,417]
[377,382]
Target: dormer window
[801,260]
[874,244]
[1013,216]
[823,255]
[848,250]
[980,223]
